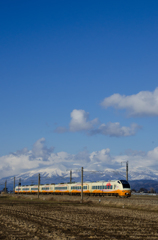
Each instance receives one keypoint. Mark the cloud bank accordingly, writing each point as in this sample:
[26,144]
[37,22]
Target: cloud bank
[80,123]
[144,103]
[42,157]
[115,130]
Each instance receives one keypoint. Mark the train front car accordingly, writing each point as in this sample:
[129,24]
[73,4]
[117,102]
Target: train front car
[18,189]
[125,188]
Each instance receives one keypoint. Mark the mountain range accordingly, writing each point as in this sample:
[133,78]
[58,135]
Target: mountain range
[59,174]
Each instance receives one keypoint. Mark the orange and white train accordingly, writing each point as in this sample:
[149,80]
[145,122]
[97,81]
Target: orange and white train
[111,188]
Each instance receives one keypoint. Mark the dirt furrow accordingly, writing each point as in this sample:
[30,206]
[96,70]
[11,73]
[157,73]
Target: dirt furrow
[22,220]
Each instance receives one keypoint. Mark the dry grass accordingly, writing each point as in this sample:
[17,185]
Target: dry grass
[143,203]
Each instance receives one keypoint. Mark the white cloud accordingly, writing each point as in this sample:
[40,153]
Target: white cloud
[115,130]
[153,154]
[14,164]
[144,103]
[40,151]
[79,121]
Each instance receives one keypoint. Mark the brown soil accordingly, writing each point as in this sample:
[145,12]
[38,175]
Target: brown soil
[54,217]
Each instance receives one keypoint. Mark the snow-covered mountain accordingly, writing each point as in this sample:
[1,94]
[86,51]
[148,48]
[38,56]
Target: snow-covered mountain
[58,174]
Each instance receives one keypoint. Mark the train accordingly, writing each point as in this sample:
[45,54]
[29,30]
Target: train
[118,188]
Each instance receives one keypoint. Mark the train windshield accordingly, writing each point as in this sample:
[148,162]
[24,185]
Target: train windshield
[125,184]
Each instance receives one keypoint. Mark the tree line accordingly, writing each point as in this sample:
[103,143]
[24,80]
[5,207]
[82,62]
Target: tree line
[144,190]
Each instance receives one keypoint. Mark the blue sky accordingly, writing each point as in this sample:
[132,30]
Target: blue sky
[61,56]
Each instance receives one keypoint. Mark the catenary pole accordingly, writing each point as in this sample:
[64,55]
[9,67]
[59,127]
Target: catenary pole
[5,186]
[81,184]
[38,183]
[70,176]
[14,186]
[127,171]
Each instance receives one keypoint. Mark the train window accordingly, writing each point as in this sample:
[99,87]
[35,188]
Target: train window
[114,186]
[126,185]
[25,189]
[34,189]
[75,187]
[45,188]
[61,188]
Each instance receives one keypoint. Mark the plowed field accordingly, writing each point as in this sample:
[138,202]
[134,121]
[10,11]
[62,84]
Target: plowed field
[52,219]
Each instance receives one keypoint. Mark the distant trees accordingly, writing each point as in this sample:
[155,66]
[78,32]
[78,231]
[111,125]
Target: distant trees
[5,190]
[143,190]
[133,190]
[152,190]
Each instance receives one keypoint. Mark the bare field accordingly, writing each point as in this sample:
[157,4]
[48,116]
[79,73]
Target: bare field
[63,217]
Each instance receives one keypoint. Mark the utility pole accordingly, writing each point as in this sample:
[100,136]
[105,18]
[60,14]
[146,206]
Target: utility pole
[19,184]
[38,183]
[127,171]
[14,186]
[70,176]
[81,184]
[6,186]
